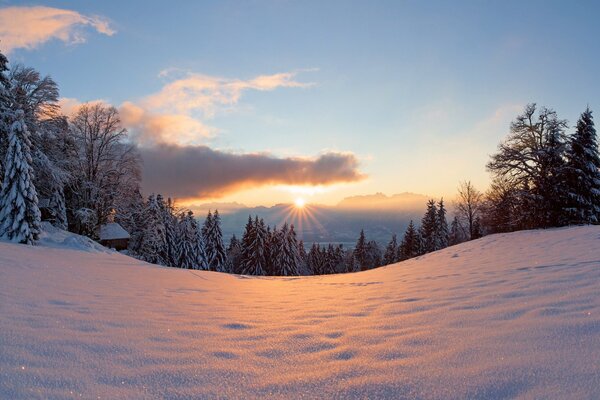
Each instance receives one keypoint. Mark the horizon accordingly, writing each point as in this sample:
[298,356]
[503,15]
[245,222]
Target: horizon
[390,97]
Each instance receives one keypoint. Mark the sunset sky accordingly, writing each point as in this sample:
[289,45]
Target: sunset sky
[245,101]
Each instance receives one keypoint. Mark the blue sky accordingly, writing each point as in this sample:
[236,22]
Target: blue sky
[420,92]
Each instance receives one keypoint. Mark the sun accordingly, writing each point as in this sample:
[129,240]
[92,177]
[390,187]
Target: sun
[299,202]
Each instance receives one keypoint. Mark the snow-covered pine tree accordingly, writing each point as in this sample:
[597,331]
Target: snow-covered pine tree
[331,260]
[153,242]
[391,251]
[234,255]
[253,248]
[5,112]
[272,249]
[554,191]
[583,173]
[170,222]
[202,258]
[57,207]
[187,251]
[429,228]
[360,253]
[19,213]
[163,217]
[206,226]
[215,248]
[302,254]
[442,226]
[289,257]
[315,260]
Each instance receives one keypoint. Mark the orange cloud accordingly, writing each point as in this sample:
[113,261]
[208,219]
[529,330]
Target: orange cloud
[150,128]
[187,172]
[29,27]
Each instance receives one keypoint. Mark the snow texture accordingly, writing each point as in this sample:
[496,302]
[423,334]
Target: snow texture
[112,231]
[506,316]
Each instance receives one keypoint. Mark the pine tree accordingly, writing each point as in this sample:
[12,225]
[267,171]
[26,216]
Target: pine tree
[360,252]
[153,243]
[201,256]
[429,228]
[330,260]
[187,252]
[234,254]
[582,173]
[213,241]
[57,207]
[315,260]
[287,259]
[373,255]
[391,252]
[19,213]
[5,112]
[170,222]
[253,260]
[411,243]
[442,226]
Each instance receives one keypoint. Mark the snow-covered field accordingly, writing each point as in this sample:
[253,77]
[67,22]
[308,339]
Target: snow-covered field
[507,316]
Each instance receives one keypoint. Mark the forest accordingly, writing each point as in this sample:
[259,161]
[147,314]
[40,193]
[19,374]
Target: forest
[82,171]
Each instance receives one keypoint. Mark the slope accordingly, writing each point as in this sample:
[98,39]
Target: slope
[507,316]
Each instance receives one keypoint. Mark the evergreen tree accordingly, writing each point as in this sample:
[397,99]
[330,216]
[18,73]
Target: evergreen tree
[19,213]
[153,244]
[234,254]
[442,226]
[331,259]
[272,249]
[6,114]
[373,254]
[253,260]
[360,252]
[202,257]
[391,252]
[315,260]
[286,256]
[57,207]
[187,254]
[429,228]
[411,243]
[213,241]
[170,222]
[582,173]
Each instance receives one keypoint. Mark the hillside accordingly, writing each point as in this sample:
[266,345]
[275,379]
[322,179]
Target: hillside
[507,316]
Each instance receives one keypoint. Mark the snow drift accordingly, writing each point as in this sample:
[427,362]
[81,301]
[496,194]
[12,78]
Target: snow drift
[507,316]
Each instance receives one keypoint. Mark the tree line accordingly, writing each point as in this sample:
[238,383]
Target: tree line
[81,171]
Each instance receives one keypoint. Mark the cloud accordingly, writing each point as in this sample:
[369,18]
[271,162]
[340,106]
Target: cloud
[177,113]
[150,128]
[175,162]
[201,172]
[29,27]
[208,94]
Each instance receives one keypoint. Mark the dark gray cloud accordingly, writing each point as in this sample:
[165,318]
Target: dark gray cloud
[202,172]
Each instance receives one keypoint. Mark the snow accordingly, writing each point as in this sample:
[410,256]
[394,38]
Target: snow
[112,231]
[506,316]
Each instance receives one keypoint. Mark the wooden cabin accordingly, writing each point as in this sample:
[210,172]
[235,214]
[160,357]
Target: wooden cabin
[112,235]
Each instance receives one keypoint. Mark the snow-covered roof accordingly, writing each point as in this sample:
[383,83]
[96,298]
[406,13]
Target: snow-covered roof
[112,231]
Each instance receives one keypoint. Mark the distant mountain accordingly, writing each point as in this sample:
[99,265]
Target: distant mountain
[379,201]
[379,215]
